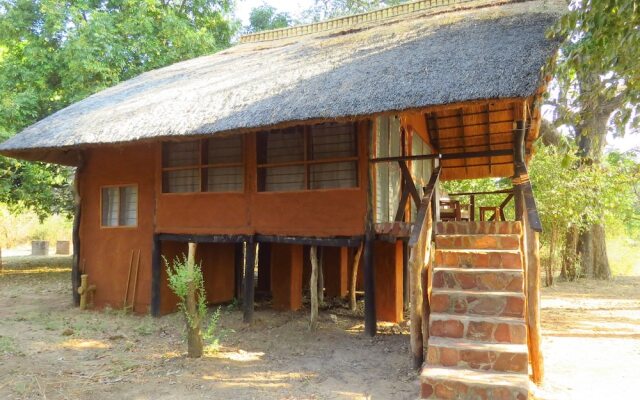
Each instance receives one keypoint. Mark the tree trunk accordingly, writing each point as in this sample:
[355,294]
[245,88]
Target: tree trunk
[354,279]
[552,255]
[601,268]
[194,333]
[568,271]
[585,254]
[313,285]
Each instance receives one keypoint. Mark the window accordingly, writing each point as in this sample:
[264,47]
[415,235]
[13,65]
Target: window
[323,156]
[120,206]
[388,143]
[209,165]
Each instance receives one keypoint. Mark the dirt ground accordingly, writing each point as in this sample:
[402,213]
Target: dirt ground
[49,349]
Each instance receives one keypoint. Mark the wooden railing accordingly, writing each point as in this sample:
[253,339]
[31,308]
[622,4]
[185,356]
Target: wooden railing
[419,265]
[472,201]
[527,212]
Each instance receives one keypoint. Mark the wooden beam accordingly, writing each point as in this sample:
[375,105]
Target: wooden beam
[402,205]
[188,238]
[534,329]
[248,300]
[445,156]
[156,274]
[349,241]
[408,182]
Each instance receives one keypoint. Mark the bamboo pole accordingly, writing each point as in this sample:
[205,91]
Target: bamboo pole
[321,277]
[313,285]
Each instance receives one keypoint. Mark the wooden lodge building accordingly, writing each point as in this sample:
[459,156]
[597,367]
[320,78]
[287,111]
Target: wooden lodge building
[333,134]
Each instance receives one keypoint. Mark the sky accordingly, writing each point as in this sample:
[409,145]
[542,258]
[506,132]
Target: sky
[293,7]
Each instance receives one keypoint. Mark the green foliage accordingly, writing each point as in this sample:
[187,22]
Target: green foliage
[265,17]
[604,42]
[55,52]
[179,274]
[212,335]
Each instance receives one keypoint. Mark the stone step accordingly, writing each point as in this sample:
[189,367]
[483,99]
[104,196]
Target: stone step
[478,227]
[494,279]
[465,384]
[490,242]
[462,353]
[470,302]
[507,259]
[479,328]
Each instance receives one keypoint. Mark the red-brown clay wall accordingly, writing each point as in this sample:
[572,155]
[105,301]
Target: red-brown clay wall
[388,280]
[337,212]
[217,261]
[105,253]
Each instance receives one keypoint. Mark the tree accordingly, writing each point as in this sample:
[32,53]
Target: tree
[55,52]
[266,17]
[597,81]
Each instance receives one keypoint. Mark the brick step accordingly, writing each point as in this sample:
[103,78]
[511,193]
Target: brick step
[494,279]
[478,227]
[491,242]
[470,302]
[478,328]
[506,259]
[503,357]
[464,384]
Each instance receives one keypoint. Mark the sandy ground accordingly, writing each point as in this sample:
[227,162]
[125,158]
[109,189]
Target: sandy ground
[51,350]
[111,355]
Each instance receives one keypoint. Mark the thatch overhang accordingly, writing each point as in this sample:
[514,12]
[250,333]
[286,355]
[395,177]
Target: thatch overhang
[465,52]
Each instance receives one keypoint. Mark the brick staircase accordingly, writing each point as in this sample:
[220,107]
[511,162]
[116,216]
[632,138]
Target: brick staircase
[477,347]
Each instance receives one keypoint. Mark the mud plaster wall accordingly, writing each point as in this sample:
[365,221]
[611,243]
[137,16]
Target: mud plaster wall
[105,253]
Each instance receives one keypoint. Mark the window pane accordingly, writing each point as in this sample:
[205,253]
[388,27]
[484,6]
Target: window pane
[285,146]
[333,141]
[225,179]
[181,181]
[129,206]
[225,150]
[110,206]
[284,178]
[334,175]
[180,154]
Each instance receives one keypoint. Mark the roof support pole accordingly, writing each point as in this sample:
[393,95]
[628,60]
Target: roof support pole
[75,268]
[519,132]
[156,266]
[249,292]
[370,321]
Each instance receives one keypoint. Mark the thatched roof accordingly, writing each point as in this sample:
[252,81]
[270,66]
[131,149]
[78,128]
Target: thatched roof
[466,51]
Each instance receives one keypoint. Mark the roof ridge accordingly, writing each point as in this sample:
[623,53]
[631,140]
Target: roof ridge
[349,20]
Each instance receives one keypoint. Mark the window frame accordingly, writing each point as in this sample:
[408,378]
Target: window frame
[307,162]
[203,167]
[120,187]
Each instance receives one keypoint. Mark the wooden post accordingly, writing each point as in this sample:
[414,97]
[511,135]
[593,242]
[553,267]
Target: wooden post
[370,321]
[194,323]
[84,290]
[75,237]
[406,277]
[354,279]
[249,265]
[0,260]
[321,276]
[518,159]
[534,328]
[156,273]
[238,267]
[472,208]
[313,285]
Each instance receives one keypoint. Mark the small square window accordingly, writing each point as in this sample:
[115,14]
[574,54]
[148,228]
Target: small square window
[119,206]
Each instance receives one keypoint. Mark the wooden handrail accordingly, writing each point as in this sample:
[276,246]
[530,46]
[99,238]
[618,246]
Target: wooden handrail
[501,191]
[419,263]
[521,181]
